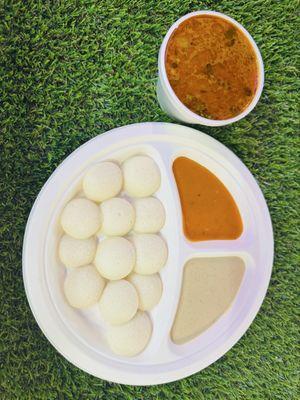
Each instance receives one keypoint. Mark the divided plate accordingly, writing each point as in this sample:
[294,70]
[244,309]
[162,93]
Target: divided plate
[79,335]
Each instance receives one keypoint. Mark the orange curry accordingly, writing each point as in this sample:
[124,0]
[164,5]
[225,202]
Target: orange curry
[212,67]
[209,211]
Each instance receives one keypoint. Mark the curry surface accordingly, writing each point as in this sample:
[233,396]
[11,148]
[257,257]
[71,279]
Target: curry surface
[212,67]
[208,209]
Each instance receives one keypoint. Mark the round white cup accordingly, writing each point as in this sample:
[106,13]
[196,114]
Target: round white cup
[166,96]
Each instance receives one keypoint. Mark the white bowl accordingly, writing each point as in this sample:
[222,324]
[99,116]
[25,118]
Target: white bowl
[79,334]
[166,96]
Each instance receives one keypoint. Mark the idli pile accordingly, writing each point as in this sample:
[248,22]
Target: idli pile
[115,258]
[118,217]
[119,302]
[149,289]
[77,252]
[103,181]
[151,253]
[112,249]
[131,338]
[81,218]
[149,215]
[83,286]
[141,176]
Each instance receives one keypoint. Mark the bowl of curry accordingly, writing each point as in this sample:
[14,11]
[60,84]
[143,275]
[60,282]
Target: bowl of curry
[210,70]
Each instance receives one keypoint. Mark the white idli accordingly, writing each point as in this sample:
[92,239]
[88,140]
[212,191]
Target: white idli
[118,217]
[83,286]
[115,258]
[149,289]
[149,215]
[77,252]
[102,181]
[119,302]
[151,253]
[131,338]
[141,176]
[81,218]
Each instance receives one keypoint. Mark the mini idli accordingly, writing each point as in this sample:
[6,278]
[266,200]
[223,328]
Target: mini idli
[102,181]
[118,217]
[141,176]
[132,337]
[149,215]
[151,253]
[119,302]
[149,289]
[83,286]
[77,252]
[81,218]
[115,257]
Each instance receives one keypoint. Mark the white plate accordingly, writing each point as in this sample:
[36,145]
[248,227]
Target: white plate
[78,335]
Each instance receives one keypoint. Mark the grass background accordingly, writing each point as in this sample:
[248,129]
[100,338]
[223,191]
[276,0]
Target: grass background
[73,69]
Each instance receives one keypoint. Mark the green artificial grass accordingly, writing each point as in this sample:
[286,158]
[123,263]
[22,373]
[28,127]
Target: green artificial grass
[73,69]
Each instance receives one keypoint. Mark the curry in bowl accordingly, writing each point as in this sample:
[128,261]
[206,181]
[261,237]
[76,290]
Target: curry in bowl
[212,67]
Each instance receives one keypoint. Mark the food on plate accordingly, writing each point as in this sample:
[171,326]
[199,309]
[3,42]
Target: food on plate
[83,286]
[132,337]
[77,252]
[119,302]
[81,218]
[149,289]
[137,258]
[208,289]
[141,176]
[118,216]
[209,210]
[151,253]
[149,215]
[115,257]
[212,67]
[102,181]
